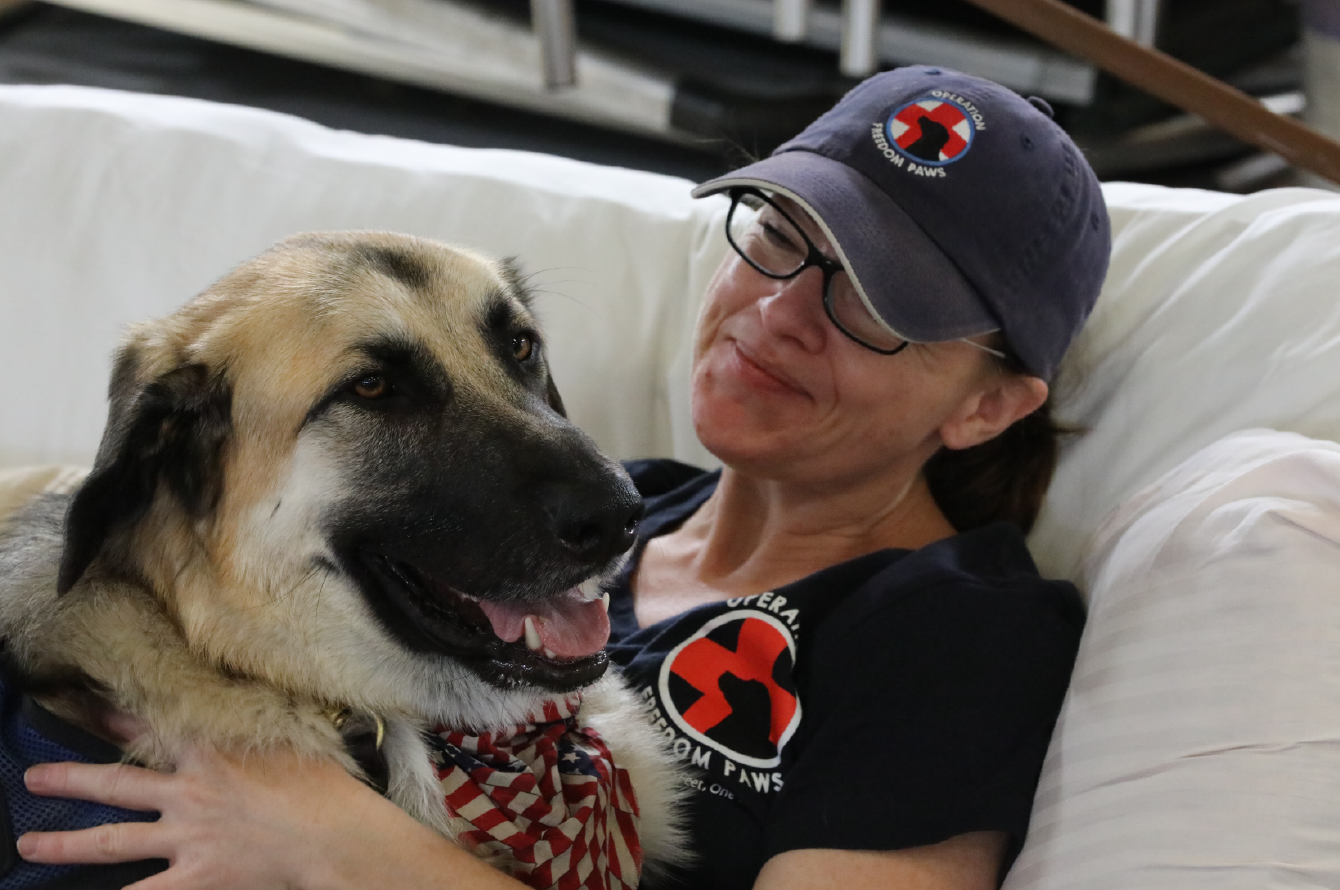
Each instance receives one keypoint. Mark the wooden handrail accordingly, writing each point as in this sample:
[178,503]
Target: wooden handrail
[1172,81]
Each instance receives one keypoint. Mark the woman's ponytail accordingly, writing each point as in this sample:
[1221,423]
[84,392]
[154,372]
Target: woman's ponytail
[1004,478]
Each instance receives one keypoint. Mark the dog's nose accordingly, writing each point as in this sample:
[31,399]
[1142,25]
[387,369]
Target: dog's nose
[593,526]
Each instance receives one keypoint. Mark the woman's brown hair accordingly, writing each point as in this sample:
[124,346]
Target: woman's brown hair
[1003,478]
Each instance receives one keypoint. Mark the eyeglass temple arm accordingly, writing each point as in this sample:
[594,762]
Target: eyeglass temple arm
[996,352]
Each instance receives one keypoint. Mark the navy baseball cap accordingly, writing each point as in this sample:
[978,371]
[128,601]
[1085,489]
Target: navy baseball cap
[957,207]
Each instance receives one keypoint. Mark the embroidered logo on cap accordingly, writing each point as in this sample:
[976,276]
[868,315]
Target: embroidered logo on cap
[931,133]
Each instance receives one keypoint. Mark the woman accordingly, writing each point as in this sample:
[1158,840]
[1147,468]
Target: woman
[859,660]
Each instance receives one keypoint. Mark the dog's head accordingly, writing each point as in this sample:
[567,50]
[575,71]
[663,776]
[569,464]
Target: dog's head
[345,466]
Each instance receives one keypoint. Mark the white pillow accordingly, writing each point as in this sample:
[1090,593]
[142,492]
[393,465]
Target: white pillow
[120,207]
[1199,744]
[1220,313]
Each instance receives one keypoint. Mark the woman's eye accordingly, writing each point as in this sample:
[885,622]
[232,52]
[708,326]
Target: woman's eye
[523,346]
[779,239]
[373,386]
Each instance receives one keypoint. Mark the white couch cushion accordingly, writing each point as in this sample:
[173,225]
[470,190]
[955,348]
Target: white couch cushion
[1199,745]
[120,207]
[1220,313]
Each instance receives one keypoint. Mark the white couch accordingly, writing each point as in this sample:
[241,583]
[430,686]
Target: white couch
[1200,743]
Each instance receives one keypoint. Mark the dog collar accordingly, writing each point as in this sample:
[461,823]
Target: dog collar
[363,735]
[544,801]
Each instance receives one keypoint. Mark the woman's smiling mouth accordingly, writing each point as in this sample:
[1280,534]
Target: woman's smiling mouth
[760,373]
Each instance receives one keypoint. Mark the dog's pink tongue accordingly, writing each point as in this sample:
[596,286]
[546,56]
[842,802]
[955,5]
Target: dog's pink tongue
[568,627]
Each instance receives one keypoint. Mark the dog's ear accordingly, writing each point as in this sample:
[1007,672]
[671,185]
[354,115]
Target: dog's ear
[552,396]
[169,431]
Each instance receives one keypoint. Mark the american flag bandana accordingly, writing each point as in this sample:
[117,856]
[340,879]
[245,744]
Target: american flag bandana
[544,801]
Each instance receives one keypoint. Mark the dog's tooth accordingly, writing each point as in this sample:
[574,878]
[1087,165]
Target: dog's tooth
[605,601]
[550,653]
[533,641]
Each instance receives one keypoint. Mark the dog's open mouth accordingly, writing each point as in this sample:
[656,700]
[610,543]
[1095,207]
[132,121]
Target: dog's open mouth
[557,644]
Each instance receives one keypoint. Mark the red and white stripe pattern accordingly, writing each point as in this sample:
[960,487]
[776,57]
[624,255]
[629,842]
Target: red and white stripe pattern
[544,801]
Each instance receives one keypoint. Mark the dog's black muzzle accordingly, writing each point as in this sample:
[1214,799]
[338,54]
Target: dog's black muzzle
[453,540]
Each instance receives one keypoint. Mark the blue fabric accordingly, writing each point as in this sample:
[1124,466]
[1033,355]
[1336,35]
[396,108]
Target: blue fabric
[22,746]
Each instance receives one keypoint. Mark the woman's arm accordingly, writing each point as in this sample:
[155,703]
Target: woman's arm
[263,822]
[966,862]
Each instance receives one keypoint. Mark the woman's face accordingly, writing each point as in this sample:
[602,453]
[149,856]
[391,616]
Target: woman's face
[780,392]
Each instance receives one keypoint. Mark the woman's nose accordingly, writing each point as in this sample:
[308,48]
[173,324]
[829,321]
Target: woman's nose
[794,308]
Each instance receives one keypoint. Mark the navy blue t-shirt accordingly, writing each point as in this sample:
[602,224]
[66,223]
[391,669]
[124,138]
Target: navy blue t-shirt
[891,701]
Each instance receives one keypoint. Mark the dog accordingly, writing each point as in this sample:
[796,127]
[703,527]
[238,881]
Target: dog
[337,486]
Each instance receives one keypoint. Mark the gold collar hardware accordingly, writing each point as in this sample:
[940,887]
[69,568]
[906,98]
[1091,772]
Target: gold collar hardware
[346,723]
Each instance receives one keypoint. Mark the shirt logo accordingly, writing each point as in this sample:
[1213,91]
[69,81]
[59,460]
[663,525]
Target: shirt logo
[729,687]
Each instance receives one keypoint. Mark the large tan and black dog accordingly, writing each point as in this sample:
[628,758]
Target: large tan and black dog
[339,480]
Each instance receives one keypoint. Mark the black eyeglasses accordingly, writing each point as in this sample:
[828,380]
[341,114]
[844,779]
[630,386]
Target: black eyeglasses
[776,246]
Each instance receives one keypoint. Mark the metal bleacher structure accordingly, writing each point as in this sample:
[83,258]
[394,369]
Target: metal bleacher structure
[638,77]
[538,65]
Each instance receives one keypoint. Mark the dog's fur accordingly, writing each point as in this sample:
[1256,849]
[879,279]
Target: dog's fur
[336,431]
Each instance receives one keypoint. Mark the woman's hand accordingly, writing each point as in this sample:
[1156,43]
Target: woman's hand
[966,862]
[262,822]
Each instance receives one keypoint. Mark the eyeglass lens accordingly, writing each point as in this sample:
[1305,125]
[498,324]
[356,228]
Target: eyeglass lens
[774,245]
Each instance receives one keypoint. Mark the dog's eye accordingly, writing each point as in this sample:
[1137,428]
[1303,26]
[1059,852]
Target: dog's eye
[523,346]
[373,386]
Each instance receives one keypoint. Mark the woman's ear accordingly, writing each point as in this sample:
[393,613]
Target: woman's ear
[986,414]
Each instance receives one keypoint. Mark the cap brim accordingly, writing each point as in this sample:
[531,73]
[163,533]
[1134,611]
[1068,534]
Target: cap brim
[900,273]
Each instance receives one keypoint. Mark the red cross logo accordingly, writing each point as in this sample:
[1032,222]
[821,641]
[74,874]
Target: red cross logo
[702,663]
[931,131]
[729,686]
